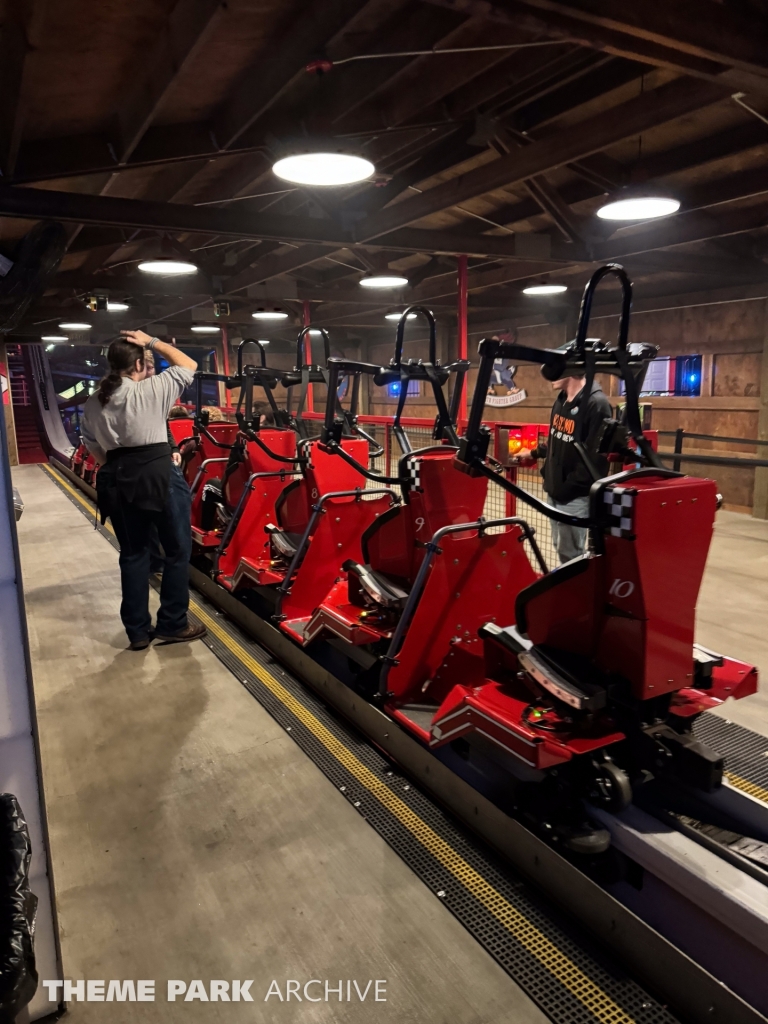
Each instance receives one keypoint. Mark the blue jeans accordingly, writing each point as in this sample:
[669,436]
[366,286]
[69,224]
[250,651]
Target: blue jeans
[133,529]
[570,541]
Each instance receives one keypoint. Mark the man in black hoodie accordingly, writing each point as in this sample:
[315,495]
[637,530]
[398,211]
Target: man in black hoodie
[567,480]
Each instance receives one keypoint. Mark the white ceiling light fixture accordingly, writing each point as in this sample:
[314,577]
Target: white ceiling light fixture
[167,267]
[54,338]
[262,341]
[384,281]
[545,289]
[205,329]
[398,316]
[74,326]
[269,314]
[323,169]
[639,208]
[117,307]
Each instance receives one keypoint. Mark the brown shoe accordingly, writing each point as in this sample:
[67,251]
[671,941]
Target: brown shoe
[192,632]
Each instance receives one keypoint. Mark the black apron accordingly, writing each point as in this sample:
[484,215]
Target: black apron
[139,477]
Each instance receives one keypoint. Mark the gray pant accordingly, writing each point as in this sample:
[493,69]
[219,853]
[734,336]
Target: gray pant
[570,541]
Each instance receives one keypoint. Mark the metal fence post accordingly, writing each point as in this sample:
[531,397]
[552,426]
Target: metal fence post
[679,434]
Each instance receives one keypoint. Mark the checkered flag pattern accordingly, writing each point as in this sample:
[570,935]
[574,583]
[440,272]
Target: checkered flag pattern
[414,470]
[620,502]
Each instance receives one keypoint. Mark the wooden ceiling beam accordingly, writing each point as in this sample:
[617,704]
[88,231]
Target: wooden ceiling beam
[347,87]
[189,26]
[426,80]
[304,36]
[449,151]
[275,266]
[574,142]
[19,36]
[622,41]
[699,152]
[106,211]
[701,28]
[683,229]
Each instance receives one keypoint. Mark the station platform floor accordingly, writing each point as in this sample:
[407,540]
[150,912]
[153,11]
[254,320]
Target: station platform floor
[192,839]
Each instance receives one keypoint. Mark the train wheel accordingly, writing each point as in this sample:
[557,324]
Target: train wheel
[611,787]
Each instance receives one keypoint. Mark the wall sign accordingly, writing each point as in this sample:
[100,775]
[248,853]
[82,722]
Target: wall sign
[503,392]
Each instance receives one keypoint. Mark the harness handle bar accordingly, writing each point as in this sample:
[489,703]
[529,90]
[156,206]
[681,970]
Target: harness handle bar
[300,362]
[241,346]
[429,316]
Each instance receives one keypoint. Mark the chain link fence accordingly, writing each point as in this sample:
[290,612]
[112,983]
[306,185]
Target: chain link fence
[498,503]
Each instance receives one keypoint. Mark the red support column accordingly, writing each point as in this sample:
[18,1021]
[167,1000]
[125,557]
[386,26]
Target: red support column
[225,354]
[306,318]
[461,315]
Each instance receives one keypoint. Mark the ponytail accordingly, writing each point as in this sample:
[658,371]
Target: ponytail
[122,357]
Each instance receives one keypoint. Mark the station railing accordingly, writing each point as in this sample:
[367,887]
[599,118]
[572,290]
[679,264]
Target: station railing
[731,461]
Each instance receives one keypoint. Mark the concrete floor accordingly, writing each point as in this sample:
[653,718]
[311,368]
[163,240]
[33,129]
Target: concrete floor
[191,838]
[732,615]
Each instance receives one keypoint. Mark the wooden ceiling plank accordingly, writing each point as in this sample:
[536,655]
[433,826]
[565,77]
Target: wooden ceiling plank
[14,73]
[575,142]
[283,61]
[188,28]
[702,28]
[274,266]
[684,229]
[446,153]
[559,25]
[427,80]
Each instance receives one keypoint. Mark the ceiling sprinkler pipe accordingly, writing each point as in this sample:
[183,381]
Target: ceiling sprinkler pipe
[323,66]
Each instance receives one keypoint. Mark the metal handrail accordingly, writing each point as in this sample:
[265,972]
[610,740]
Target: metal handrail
[713,460]
[710,437]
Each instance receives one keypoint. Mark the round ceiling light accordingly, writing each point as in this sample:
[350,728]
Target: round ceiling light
[398,316]
[205,329]
[167,267]
[117,307]
[639,208]
[54,337]
[545,289]
[74,326]
[384,281]
[269,314]
[323,169]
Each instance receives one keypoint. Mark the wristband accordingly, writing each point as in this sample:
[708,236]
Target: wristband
[151,343]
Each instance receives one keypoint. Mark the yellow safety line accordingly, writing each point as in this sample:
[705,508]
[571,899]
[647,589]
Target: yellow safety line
[752,788]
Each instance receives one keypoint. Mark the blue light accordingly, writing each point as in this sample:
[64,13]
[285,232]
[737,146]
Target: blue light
[393,389]
[693,378]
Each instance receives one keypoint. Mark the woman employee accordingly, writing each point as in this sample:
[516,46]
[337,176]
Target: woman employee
[124,426]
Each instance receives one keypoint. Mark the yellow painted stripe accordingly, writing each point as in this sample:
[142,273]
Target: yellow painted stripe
[555,961]
[752,788]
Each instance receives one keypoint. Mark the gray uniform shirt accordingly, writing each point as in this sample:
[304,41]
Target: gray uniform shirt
[135,414]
